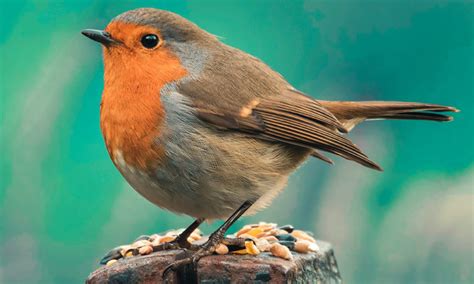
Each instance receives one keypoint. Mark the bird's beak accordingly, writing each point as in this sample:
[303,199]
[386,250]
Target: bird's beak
[100,36]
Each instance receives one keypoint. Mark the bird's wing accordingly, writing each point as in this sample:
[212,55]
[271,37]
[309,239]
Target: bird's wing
[290,118]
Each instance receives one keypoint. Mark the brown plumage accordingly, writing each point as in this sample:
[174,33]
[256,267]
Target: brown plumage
[231,128]
[319,125]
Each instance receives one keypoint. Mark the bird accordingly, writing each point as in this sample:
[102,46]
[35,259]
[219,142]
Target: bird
[204,129]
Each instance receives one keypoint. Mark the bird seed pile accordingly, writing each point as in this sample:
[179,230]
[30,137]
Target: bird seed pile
[251,239]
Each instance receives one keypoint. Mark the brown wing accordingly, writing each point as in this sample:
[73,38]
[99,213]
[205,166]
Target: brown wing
[291,118]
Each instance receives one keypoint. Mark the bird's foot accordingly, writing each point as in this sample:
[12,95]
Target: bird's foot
[211,244]
[144,245]
[206,249]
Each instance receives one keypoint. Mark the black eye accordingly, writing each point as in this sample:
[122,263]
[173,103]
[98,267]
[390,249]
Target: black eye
[149,41]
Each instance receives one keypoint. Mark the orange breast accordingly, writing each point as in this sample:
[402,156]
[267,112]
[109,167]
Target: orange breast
[131,112]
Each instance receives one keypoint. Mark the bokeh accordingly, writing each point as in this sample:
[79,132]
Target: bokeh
[63,204]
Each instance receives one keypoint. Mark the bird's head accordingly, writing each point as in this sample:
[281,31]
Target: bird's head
[150,43]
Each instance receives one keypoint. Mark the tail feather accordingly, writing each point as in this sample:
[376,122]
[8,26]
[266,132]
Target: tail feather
[352,113]
[419,116]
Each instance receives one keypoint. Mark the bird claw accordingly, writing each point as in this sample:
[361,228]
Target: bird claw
[178,264]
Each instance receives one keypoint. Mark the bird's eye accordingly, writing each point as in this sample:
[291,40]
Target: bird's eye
[149,41]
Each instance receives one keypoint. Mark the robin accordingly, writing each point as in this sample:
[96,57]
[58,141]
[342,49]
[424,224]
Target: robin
[204,129]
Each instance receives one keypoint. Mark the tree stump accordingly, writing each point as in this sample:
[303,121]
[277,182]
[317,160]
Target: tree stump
[263,268]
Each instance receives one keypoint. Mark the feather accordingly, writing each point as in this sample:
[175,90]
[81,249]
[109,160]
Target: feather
[320,156]
[352,113]
[293,119]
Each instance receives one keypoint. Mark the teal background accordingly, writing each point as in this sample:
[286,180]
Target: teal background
[63,204]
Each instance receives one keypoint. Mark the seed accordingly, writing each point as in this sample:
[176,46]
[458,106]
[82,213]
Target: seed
[281,251]
[270,239]
[247,236]
[244,230]
[156,242]
[255,231]
[172,233]
[145,250]
[154,237]
[288,228]
[141,243]
[275,232]
[302,235]
[251,248]
[305,246]
[167,239]
[267,226]
[240,251]
[250,239]
[288,244]
[267,229]
[263,244]
[261,235]
[286,237]
[195,236]
[125,249]
[222,249]
[272,232]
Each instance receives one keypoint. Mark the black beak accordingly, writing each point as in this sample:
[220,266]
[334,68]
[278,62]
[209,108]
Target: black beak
[100,36]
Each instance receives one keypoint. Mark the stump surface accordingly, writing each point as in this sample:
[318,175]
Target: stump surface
[263,268]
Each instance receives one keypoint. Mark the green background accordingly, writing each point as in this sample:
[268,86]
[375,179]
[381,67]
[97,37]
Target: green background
[63,204]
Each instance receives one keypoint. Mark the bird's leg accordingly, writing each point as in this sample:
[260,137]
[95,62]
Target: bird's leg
[181,241]
[214,239]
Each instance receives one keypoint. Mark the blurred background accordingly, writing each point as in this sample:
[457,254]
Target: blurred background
[63,205]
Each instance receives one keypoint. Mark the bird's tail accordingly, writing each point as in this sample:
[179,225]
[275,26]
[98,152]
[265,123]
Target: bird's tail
[352,113]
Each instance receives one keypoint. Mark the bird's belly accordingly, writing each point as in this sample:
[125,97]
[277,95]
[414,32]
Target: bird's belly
[212,179]
[209,173]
